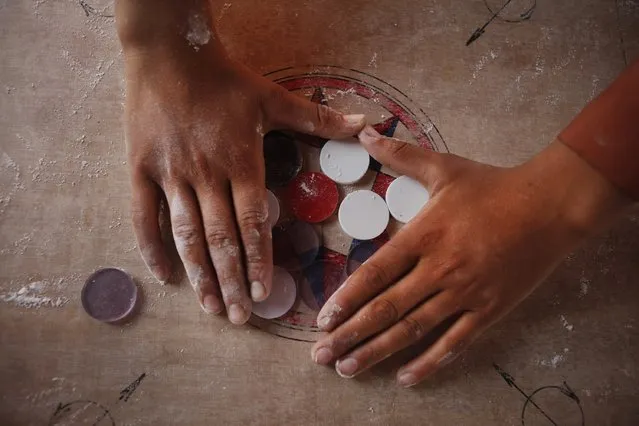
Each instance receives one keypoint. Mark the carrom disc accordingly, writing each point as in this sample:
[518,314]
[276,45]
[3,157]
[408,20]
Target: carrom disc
[344,161]
[282,159]
[282,297]
[363,215]
[109,295]
[312,197]
[405,198]
[320,281]
[295,245]
[273,208]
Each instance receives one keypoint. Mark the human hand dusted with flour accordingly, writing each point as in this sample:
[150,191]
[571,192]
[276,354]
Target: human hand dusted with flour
[484,241]
[194,127]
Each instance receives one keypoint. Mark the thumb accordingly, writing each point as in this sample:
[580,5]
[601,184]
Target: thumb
[422,165]
[284,110]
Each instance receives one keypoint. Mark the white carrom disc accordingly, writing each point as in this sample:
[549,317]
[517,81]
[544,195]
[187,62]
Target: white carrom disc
[282,297]
[273,208]
[344,161]
[405,197]
[363,215]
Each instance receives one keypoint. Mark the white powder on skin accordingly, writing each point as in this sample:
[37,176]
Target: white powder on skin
[225,8]
[194,271]
[147,255]
[447,358]
[195,274]
[329,311]
[373,61]
[565,323]
[179,213]
[199,33]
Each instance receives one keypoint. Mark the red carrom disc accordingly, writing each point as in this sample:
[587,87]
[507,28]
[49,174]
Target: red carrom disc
[312,197]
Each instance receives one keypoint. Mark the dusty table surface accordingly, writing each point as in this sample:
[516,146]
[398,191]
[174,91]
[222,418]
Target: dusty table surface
[64,212]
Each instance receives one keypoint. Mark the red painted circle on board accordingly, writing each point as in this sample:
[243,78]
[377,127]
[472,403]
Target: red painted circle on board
[312,197]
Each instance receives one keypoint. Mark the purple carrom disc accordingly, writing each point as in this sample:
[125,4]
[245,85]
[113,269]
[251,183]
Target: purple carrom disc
[109,295]
[295,245]
[282,159]
[361,251]
[320,280]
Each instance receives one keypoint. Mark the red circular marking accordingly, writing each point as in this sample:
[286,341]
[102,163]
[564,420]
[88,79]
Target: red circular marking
[312,197]
[343,83]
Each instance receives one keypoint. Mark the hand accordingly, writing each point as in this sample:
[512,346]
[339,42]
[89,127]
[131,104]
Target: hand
[485,240]
[194,124]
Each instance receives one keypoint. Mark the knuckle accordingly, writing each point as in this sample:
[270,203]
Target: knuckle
[412,329]
[371,354]
[398,149]
[200,165]
[253,253]
[217,236]
[185,233]
[450,266]
[253,219]
[383,311]
[373,275]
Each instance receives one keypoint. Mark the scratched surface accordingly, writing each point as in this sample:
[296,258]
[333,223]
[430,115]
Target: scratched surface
[567,353]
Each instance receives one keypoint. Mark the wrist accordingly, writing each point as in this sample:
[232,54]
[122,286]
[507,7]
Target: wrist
[585,201]
[166,30]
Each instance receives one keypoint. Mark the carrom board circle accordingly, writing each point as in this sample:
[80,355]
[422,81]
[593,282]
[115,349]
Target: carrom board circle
[401,117]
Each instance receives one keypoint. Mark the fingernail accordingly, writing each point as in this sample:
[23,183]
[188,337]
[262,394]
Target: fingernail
[161,274]
[323,356]
[212,305]
[355,119]
[369,135]
[236,313]
[347,368]
[258,291]
[407,380]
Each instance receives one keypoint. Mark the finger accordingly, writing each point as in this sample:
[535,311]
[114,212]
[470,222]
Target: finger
[251,211]
[418,163]
[407,331]
[145,205]
[284,110]
[224,249]
[448,347]
[380,313]
[186,225]
[385,267]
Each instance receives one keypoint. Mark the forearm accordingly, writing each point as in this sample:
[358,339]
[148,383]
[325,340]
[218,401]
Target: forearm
[606,132]
[581,198]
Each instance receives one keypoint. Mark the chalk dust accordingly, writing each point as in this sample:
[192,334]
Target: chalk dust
[555,360]
[37,294]
[199,33]
[565,323]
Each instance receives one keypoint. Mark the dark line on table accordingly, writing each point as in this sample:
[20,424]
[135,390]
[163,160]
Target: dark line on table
[621,40]
[480,31]
[510,380]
